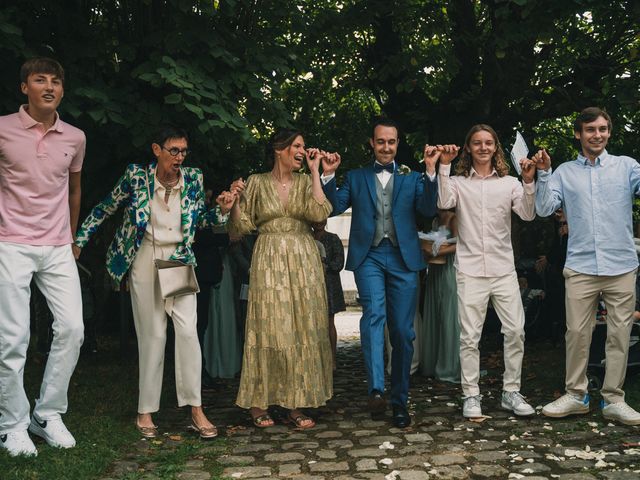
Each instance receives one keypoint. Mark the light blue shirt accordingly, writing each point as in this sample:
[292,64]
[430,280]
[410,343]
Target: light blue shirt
[597,201]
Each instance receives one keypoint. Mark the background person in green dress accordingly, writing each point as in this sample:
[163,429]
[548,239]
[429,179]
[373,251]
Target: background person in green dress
[440,352]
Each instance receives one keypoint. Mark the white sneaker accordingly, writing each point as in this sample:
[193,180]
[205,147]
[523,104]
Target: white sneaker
[471,407]
[515,402]
[621,412]
[567,405]
[53,431]
[18,443]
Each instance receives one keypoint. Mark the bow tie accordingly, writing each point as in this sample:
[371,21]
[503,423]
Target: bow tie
[388,167]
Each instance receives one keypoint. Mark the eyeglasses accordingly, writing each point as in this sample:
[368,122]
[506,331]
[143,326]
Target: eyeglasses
[175,151]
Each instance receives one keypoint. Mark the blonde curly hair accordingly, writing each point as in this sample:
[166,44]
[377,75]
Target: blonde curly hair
[497,161]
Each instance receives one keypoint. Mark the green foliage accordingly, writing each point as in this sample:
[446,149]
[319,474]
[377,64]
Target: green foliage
[231,71]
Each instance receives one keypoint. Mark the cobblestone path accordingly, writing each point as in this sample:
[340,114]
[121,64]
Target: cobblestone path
[440,444]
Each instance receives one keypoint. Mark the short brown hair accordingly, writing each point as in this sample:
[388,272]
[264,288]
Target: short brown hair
[588,115]
[497,161]
[41,65]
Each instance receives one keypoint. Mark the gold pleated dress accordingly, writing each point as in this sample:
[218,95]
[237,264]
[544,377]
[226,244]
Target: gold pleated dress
[287,357]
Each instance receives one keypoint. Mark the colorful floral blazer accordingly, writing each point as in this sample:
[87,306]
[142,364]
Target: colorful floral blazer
[132,193]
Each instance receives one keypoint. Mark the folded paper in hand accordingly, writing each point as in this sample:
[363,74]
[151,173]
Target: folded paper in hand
[518,152]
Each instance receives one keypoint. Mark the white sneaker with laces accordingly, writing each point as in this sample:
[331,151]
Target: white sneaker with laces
[53,431]
[18,443]
[620,412]
[567,405]
[515,402]
[471,408]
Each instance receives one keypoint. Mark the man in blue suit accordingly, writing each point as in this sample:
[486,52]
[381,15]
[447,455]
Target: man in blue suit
[385,255]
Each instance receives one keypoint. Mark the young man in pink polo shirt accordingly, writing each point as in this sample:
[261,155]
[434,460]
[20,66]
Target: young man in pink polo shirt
[40,161]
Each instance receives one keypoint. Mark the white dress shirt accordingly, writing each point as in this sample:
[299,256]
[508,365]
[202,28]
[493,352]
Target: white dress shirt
[483,210]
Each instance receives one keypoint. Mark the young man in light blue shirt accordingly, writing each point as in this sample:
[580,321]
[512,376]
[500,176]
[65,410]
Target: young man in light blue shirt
[596,193]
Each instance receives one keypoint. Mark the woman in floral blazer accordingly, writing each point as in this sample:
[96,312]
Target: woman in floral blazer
[170,197]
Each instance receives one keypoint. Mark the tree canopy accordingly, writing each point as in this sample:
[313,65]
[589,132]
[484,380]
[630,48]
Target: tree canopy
[230,71]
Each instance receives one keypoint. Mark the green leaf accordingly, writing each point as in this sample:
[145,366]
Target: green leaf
[173,98]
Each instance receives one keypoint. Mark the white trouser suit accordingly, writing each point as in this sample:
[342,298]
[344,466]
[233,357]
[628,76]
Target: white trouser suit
[150,312]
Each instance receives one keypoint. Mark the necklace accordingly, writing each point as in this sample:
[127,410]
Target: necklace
[279,181]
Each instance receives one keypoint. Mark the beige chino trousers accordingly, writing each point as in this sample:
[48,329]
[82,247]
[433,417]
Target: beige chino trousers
[474,294]
[582,294]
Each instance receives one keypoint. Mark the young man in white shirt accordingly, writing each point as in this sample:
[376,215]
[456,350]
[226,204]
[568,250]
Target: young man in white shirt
[484,195]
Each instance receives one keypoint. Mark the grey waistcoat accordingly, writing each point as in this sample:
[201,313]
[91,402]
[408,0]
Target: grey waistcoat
[384,222]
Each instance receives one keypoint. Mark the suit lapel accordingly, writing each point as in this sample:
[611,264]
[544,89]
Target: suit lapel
[146,194]
[398,180]
[370,179]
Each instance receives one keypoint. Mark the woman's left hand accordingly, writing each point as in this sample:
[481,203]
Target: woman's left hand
[225,200]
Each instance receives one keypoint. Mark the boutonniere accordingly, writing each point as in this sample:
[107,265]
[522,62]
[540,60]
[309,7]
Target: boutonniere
[403,170]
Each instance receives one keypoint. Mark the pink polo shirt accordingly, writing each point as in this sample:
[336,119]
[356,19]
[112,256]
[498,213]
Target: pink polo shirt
[34,179]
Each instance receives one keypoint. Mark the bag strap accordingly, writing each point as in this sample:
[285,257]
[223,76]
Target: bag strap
[153,233]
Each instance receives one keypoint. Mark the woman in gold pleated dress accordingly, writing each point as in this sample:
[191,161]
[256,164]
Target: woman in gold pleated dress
[287,358]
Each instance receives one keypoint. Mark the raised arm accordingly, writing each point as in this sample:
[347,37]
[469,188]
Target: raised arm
[107,207]
[548,195]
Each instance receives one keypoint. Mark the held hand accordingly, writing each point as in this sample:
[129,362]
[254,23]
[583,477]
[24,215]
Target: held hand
[330,163]
[449,152]
[314,157]
[542,160]
[237,187]
[76,251]
[430,157]
[528,169]
[225,200]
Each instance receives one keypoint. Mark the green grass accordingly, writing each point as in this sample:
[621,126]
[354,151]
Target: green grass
[102,408]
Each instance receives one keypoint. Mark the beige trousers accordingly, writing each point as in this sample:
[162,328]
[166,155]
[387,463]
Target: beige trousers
[474,294]
[582,294]
[150,319]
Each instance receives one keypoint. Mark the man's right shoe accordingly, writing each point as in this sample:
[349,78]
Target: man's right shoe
[18,443]
[377,403]
[53,432]
[471,408]
[567,405]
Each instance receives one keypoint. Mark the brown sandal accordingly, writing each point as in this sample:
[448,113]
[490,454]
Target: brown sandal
[147,432]
[298,419]
[260,420]
[204,432]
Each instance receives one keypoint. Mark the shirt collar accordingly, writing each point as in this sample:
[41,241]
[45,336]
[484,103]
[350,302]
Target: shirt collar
[29,122]
[473,173]
[601,159]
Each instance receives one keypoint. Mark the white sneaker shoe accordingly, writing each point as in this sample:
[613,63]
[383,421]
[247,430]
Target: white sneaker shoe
[53,431]
[566,405]
[515,402]
[621,412]
[471,407]
[18,443]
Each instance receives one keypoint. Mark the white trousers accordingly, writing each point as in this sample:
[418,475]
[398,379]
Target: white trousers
[55,273]
[474,294]
[150,320]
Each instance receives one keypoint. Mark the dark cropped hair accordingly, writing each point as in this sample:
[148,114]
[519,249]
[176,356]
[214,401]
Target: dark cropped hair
[383,122]
[588,115]
[280,140]
[497,161]
[41,65]
[168,132]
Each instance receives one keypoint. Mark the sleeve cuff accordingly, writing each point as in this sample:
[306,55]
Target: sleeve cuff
[326,179]
[445,169]
[529,188]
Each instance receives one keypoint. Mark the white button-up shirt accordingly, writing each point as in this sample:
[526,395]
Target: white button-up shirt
[483,210]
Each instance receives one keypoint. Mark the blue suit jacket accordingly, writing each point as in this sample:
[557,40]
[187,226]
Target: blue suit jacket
[411,192]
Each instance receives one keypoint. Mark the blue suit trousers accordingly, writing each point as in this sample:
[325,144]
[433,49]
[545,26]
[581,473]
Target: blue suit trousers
[387,291]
